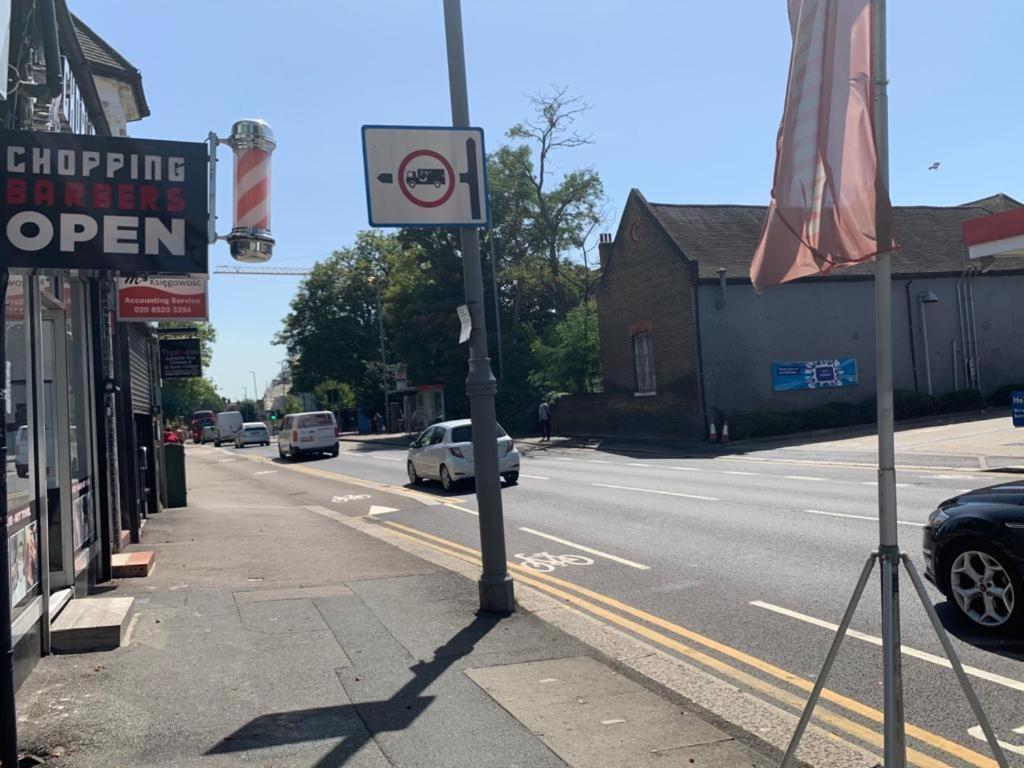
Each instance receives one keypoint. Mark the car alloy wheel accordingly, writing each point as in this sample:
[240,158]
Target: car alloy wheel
[446,478]
[982,588]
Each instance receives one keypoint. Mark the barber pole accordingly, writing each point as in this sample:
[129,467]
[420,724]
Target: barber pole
[250,238]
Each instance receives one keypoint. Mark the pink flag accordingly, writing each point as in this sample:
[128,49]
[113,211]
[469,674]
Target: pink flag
[826,194]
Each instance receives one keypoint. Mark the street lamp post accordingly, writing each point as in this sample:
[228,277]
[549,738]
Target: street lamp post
[255,390]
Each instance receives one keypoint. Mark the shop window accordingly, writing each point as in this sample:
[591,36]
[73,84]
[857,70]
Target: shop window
[643,360]
[79,382]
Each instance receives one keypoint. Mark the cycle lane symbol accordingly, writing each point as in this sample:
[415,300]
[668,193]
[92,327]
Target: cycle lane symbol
[545,562]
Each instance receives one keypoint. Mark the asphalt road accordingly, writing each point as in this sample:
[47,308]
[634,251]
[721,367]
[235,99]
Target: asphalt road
[757,553]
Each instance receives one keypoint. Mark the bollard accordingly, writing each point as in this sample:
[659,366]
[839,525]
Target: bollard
[174,470]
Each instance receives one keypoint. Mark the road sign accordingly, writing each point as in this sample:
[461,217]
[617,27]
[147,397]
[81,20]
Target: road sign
[425,177]
[180,359]
[1017,404]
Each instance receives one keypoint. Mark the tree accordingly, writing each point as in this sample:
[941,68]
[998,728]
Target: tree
[332,394]
[183,397]
[571,362]
[333,324]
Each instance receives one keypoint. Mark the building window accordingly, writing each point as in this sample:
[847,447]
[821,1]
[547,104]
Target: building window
[643,359]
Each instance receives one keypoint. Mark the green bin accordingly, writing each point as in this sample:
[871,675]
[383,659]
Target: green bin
[174,468]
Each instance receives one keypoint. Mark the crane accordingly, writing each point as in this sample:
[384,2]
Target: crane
[226,269]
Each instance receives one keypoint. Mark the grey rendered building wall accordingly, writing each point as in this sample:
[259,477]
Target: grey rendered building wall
[826,318]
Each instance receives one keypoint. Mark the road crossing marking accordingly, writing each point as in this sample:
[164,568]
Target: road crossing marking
[982,674]
[663,493]
[871,736]
[597,552]
[859,517]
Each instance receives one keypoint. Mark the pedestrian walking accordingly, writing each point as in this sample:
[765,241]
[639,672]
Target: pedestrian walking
[378,423]
[544,415]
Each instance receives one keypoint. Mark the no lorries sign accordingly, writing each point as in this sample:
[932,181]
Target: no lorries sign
[425,177]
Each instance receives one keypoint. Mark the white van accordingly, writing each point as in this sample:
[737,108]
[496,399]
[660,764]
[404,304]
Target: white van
[226,426]
[313,432]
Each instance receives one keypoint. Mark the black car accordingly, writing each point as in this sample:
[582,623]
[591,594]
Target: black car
[974,554]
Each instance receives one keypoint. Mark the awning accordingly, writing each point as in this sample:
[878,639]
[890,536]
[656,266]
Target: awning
[1001,234]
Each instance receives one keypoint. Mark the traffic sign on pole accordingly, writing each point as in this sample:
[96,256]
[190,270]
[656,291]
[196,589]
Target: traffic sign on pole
[425,177]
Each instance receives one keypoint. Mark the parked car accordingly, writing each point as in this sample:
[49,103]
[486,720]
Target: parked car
[445,452]
[252,433]
[306,433]
[21,452]
[208,433]
[974,554]
[227,425]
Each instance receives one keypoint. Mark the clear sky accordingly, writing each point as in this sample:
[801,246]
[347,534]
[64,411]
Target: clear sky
[686,96]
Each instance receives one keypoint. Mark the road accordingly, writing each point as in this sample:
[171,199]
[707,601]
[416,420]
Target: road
[749,559]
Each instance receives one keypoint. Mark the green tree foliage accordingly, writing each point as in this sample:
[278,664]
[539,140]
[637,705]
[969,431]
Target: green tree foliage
[332,393]
[183,397]
[570,361]
[333,326]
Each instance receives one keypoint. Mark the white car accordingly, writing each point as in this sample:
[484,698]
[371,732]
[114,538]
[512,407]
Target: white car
[304,433]
[253,433]
[445,452]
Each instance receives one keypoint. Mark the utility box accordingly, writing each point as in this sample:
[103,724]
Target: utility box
[174,469]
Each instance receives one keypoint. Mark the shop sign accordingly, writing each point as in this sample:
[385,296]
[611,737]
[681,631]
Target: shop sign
[143,299]
[814,374]
[74,201]
[180,359]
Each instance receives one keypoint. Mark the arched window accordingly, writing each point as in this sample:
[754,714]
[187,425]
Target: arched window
[643,359]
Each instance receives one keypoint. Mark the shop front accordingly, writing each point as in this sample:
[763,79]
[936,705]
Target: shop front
[52,472]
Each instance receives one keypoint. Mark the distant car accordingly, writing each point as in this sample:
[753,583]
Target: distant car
[307,433]
[974,554]
[445,452]
[21,452]
[226,426]
[208,434]
[252,433]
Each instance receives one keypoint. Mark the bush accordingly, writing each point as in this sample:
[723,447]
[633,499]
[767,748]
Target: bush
[961,400]
[829,416]
[914,405]
[1000,398]
[747,425]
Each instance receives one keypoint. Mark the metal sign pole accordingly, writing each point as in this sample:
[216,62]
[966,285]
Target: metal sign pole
[496,589]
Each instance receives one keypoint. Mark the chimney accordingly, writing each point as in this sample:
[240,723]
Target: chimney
[604,248]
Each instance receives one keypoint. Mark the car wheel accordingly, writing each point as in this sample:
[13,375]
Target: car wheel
[984,586]
[334,451]
[411,470]
[512,478]
[280,452]
[446,479]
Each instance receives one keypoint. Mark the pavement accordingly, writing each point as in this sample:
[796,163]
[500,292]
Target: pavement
[284,625]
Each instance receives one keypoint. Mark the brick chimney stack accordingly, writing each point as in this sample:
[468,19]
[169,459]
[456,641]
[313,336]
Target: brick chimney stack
[604,248]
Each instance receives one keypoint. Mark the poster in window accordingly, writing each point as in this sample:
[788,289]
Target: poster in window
[24,563]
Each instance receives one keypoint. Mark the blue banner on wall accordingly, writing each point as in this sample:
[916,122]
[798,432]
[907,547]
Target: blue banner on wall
[814,374]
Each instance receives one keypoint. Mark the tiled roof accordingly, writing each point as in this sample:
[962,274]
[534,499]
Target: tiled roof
[98,51]
[725,236]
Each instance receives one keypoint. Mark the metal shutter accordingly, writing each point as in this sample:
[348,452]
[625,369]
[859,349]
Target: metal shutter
[140,365]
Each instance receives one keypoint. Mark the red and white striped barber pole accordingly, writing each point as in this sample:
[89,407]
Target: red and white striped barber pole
[1001,234]
[252,142]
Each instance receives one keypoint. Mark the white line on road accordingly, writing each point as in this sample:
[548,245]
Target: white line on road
[648,490]
[859,517]
[898,485]
[599,461]
[805,477]
[388,458]
[686,469]
[992,677]
[979,734]
[638,464]
[534,477]
[463,509]
[563,458]
[732,472]
[597,552]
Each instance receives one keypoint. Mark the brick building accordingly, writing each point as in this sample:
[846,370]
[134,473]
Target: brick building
[683,334]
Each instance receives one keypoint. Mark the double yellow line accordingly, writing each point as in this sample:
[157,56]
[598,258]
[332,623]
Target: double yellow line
[666,634]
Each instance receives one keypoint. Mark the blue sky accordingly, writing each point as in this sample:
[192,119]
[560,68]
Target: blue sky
[686,98]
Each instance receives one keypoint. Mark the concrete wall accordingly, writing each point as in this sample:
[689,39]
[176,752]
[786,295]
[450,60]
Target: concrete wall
[821,319]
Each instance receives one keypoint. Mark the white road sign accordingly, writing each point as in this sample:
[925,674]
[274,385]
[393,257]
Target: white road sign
[425,177]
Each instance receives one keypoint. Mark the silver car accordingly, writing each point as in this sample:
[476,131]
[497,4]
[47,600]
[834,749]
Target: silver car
[445,452]
[252,433]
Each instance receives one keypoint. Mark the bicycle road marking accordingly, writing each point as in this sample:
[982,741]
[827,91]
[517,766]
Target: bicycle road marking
[597,552]
[545,562]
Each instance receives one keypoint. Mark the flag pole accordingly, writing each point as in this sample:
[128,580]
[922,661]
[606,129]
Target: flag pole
[888,545]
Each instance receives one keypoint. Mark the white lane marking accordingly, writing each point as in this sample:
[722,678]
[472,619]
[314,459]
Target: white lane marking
[648,490]
[992,677]
[805,477]
[463,509]
[977,733]
[686,469]
[349,497]
[563,458]
[387,458]
[223,461]
[377,510]
[597,552]
[941,477]
[898,485]
[533,477]
[859,517]
[613,721]
[264,472]
[637,464]
[731,472]
[599,461]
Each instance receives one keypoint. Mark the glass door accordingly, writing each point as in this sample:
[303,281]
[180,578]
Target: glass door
[57,448]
